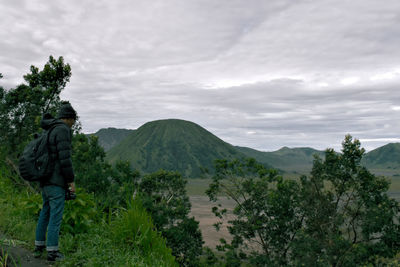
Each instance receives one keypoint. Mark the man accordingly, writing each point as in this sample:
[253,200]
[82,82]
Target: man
[54,188]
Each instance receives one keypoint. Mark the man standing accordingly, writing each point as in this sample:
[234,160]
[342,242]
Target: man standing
[61,179]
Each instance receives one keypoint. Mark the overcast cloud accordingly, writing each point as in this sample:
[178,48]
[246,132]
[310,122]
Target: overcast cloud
[256,73]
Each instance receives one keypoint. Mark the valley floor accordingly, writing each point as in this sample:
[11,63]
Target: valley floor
[201,209]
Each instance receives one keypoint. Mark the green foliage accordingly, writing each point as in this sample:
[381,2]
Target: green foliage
[80,214]
[389,262]
[13,200]
[267,214]
[186,241]
[163,193]
[22,107]
[125,182]
[31,203]
[92,241]
[90,169]
[209,258]
[339,216]
[164,196]
[111,185]
[352,220]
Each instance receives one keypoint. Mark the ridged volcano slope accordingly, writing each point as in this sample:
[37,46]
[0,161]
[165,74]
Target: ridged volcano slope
[387,156]
[172,144]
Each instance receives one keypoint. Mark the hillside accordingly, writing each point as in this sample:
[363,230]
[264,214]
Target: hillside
[186,147]
[110,137]
[385,157]
[172,145]
[286,159]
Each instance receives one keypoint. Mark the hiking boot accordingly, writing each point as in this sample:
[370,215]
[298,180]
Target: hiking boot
[54,256]
[38,252]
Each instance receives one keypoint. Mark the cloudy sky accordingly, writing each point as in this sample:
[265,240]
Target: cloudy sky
[256,73]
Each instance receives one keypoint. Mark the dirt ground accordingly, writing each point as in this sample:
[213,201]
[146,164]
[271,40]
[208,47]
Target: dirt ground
[18,255]
[201,210]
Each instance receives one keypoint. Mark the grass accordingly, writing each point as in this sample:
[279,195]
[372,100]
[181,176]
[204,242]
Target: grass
[103,243]
[6,259]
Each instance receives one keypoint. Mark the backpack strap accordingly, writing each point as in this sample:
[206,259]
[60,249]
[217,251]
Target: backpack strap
[48,136]
[51,129]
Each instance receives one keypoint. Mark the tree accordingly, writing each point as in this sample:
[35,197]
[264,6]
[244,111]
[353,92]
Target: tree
[111,185]
[90,169]
[22,107]
[339,216]
[267,214]
[349,218]
[164,196]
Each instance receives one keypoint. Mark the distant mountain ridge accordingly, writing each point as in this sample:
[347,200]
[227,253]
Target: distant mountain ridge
[110,137]
[187,147]
[287,159]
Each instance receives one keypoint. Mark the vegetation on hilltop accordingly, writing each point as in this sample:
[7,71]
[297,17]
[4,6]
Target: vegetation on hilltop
[174,145]
[387,156]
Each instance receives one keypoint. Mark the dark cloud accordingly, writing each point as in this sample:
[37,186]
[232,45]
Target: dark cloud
[262,74]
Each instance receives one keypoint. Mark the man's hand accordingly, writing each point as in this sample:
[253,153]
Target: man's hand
[72,186]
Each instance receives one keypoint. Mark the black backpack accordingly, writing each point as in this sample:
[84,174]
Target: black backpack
[36,164]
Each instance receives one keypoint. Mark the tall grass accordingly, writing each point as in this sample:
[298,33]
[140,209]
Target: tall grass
[135,228]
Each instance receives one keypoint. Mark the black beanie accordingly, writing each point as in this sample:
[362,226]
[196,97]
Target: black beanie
[66,112]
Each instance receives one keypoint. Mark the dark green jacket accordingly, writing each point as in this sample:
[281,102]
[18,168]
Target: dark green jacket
[60,150]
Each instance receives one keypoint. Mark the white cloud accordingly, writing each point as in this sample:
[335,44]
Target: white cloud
[380,140]
[350,80]
[389,75]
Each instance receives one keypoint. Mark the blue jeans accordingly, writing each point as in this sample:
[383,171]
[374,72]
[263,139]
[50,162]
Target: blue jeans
[50,217]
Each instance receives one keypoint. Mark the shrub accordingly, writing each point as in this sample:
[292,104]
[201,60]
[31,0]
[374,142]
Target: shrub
[79,214]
